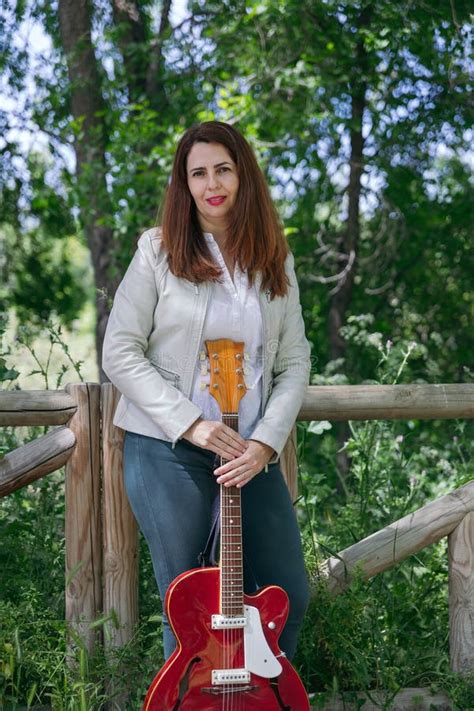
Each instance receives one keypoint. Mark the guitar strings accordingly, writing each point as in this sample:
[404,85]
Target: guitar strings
[237,546]
[228,556]
[223,651]
[225,697]
[234,645]
[237,575]
[224,632]
[229,548]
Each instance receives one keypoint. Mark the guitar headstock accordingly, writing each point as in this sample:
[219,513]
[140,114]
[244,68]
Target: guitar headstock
[226,367]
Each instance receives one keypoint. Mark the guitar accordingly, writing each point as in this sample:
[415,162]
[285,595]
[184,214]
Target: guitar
[227,656]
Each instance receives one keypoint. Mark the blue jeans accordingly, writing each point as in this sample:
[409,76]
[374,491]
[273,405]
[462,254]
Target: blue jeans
[171,492]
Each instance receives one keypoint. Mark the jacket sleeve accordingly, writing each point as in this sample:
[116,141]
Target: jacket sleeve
[291,373]
[126,342]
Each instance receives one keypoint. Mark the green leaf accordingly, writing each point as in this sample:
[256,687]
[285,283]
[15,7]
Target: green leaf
[318,427]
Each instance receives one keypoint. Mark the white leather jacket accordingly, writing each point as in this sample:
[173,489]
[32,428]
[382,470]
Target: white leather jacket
[152,340]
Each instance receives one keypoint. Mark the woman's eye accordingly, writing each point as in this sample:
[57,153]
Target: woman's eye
[200,173]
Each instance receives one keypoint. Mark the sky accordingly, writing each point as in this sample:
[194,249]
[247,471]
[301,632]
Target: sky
[33,37]
[179,11]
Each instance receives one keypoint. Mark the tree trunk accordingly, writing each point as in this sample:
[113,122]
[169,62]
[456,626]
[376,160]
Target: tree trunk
[342,295]
[155,86]
[129,19]
[87,108]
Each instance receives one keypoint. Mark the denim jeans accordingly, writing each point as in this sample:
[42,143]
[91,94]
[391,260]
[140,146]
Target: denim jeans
[171,492]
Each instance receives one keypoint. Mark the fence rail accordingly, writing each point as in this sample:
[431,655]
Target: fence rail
[101,533]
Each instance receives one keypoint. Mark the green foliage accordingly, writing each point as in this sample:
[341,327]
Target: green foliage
[7,374]
[41,660]
[391,632]
[38,666]
[381,635]
[289,75]
[56,341]
[38,274]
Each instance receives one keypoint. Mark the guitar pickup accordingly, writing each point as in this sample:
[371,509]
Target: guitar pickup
[221,622]
[230,676]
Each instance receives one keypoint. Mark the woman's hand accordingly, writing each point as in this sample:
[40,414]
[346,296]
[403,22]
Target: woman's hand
[241,470]
[217,437]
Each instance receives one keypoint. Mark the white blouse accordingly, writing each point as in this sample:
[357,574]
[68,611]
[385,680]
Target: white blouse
[233,312]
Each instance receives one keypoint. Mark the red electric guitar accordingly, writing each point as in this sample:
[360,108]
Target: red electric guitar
[227,657]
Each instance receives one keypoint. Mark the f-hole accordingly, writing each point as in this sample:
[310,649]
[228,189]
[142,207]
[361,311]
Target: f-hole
[184,683]
[276,691]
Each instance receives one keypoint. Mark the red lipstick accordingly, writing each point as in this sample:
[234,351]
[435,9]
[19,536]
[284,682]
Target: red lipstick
[218,200]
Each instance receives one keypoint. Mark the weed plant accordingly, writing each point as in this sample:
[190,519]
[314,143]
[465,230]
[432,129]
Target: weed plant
[384,634]
[390,632]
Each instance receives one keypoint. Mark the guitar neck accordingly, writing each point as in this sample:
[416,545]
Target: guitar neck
[231,560]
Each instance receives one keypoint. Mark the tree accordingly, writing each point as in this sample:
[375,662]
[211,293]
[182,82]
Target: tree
[115,99]
[339,95]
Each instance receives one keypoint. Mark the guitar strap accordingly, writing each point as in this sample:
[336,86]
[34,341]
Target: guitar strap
[209,557]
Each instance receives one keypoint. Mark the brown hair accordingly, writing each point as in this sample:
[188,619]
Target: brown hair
[256,239]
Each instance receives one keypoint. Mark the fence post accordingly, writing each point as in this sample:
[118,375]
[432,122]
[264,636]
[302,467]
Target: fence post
[82,515]
[120,547]
[461,595]
[120,534]
[289,464]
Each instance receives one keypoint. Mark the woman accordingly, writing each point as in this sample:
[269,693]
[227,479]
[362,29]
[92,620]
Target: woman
[219,267]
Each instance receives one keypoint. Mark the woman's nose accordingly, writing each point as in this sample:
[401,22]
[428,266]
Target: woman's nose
[212,181]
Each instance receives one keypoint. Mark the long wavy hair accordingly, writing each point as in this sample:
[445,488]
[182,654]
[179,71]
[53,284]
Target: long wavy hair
[255,237]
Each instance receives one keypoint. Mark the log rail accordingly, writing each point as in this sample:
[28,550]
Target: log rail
[101,533]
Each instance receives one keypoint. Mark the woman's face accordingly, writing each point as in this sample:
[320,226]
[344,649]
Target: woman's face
[213,183]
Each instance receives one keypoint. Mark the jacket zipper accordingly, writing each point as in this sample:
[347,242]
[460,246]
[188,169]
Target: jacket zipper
[264,340]
[198,340]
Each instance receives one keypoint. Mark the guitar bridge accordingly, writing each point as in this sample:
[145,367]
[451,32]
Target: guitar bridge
[216,690]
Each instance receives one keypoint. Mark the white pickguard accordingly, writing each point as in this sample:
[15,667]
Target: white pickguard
[259,658]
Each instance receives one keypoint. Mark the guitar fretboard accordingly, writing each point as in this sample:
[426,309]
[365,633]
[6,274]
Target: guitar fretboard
[232,592]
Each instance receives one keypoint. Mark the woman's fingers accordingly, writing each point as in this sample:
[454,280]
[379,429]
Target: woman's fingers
[217,437]
[233,437]
[230,449]
[240,471]
[236,472]
[238,477]
[232,477]
[230,443]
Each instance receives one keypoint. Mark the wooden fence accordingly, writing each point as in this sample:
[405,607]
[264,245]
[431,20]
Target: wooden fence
[101,533]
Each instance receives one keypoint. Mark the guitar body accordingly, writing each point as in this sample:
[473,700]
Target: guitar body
[185,681]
